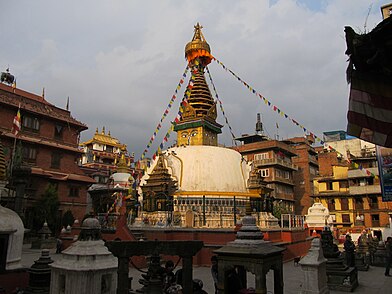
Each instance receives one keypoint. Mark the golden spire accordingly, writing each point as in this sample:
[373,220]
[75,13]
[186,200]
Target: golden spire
[198,47]
[103,130]
[96,130]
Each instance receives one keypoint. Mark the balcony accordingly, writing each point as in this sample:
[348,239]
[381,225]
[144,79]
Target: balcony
[363,190]
[275,161]
[283,180]
[357,173]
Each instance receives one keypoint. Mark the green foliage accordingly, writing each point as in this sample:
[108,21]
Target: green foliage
[278,211]
[46,209]
[68,219]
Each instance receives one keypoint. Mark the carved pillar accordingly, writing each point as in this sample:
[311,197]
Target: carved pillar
[261,285]
[278,278]
[122,275]
[187,274]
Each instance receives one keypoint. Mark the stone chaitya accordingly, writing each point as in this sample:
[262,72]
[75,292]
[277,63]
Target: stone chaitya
[87,266]
[340,276]
[249,253]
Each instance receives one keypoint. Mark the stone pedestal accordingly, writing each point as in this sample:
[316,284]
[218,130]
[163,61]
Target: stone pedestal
[313,266]
[362,258]
[268,221]
[380,256]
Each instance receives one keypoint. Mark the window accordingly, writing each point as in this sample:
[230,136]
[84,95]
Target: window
[30,123]
[29,153]
[344,203]
[56,158]
[329,185]
[109,149]
[373,202]
[375,220]
[345,218]
[73,191]
[261,156]
[343,184]
[331,204]
[106,283]
[62,283]
[358,203]
[264,172]
[58,131]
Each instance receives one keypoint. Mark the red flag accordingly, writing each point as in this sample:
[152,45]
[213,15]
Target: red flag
[16,123]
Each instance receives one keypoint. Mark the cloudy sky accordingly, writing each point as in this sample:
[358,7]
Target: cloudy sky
[120,61]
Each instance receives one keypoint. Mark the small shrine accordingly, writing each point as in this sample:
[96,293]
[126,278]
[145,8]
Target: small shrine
[86,266]
[45,239]
[362,257]
[313,266]
[249,253]
[125,250]
[158,196]
[39,275]
[317,216]
[339,276]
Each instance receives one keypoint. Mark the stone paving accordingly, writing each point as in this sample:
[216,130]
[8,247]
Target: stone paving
[372,281]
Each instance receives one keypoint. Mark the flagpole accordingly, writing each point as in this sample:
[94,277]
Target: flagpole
[15,128]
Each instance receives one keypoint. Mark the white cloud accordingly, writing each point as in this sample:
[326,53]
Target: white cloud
[120,61]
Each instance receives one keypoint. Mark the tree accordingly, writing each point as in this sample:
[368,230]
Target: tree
[68,219]
[46,209]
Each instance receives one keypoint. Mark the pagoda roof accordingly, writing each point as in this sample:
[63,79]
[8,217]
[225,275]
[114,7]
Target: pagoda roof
[105,139]
[36,104]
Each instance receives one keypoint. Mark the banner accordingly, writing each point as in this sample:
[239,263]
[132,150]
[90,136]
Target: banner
[384,158]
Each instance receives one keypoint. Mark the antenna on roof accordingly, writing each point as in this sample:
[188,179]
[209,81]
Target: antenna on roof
[259,125]
[6,77]
[67,106]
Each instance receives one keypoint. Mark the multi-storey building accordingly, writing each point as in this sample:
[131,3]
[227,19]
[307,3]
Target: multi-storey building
[351,191]
[274,159]
[103,151]
[48,137]
[308,169]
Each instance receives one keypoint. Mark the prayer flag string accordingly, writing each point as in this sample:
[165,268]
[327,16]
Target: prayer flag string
[165,113]
[183,103]
[221,106]
[285,115]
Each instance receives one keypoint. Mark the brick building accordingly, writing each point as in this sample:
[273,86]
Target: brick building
[49,145]
[274,159]
[352,195]
[308,169]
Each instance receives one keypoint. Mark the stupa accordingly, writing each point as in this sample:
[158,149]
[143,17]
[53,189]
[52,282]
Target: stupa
[87,266]
[11,229]
[197,183]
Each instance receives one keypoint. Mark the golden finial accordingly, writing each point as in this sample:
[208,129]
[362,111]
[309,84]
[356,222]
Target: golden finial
[109,133]
[103,130]
[96,130]
[198,47]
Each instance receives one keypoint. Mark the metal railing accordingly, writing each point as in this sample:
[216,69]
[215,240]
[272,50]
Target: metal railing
[290,221]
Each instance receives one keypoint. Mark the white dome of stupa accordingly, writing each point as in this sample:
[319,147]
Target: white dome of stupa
[205,169]
[12,225]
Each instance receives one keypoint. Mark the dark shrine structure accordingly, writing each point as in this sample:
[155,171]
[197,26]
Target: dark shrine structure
[124,250]
[340,277]
[249,253]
